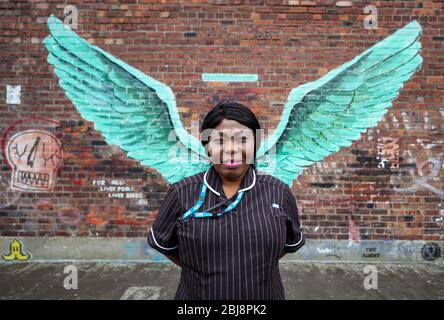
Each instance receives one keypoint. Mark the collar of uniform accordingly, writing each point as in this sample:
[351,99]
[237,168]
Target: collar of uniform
[214,183]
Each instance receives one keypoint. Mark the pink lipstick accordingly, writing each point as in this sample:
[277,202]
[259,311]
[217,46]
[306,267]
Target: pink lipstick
[232,164]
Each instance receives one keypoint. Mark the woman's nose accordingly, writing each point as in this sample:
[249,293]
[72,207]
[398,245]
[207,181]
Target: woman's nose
[232,146]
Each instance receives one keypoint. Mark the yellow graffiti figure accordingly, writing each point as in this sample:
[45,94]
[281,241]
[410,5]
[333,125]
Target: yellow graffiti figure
[15,252]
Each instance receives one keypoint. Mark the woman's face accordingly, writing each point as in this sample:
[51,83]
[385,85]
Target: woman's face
[231,148]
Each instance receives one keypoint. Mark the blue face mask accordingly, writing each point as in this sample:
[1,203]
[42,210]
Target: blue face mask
[192,212]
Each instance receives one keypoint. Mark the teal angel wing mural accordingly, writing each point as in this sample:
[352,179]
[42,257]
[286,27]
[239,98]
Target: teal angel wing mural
[130,109]
[323,116]
[139,113]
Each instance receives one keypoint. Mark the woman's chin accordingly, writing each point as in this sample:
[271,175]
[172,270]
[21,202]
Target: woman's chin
[232,172]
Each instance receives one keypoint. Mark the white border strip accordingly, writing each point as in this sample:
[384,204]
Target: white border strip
[154,238]
[295,244]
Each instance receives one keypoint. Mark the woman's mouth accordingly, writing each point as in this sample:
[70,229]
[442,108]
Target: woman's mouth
[232,164]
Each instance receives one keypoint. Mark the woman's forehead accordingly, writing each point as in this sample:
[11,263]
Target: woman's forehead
[231,124]
[231,132]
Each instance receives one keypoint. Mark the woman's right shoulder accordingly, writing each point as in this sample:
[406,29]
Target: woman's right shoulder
[188,181]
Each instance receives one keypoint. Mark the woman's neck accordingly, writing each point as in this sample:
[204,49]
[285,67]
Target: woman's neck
[231,184]
[230,187]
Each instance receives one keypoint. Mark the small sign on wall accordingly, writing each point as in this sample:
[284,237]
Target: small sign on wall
[13,94]
[230,77]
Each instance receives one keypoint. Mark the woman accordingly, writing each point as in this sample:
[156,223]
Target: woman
[228,227]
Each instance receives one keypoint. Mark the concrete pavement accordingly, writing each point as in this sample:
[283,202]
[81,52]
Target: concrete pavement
[153,281]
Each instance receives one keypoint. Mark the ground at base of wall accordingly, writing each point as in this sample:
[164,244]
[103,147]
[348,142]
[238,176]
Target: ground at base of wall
[158,281]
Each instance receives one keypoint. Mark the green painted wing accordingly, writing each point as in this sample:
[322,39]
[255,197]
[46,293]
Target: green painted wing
[129,108]
[323,116]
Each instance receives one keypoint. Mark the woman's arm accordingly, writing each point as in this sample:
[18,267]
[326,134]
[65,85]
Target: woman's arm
[175,258]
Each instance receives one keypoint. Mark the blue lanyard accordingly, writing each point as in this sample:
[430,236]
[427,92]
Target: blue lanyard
[193,210]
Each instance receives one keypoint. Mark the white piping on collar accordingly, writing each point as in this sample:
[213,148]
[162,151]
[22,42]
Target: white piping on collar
[252,185]
[244,189]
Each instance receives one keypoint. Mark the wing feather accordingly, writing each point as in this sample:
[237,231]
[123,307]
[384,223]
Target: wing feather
[129,108]
[323,116]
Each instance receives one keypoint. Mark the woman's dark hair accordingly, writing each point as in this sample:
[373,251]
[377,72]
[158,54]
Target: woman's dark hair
[233,111]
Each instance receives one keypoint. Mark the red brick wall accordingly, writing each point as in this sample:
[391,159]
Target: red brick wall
[287,43]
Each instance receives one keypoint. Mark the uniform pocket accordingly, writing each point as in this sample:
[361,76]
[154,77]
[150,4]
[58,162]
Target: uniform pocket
[277,211]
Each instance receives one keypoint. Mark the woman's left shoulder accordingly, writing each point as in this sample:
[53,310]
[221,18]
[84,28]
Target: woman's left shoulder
[267,179]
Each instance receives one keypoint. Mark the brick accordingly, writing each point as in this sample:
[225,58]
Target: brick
[287,43]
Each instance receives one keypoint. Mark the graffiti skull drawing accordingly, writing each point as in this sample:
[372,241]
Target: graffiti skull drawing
[35,156]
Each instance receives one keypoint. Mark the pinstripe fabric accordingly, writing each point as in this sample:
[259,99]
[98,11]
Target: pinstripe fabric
[235,256]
